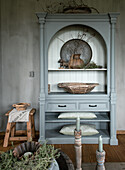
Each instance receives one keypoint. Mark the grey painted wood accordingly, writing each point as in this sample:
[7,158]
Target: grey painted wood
[104,24]
[85,104]
[42,85]
[61,106]
[113,89]
[77,106]
[93,106]
[92,95]
[52,118]
[54,137]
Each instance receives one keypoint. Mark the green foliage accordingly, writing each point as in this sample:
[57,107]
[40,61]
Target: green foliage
[40,160]
[92,65]
[7,160]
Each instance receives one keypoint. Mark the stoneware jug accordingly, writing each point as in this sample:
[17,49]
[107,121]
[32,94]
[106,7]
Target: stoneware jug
[75,62]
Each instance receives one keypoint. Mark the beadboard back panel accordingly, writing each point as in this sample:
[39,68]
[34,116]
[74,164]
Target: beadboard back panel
[56,77]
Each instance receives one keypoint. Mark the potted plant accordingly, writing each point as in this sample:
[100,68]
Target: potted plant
[30,156]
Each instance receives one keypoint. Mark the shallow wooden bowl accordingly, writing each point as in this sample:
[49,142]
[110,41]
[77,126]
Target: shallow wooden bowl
[21,106]
[78,88]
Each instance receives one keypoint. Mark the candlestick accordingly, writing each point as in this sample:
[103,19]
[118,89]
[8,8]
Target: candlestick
[77,124]
[100,156]
[78,149]
[100,144]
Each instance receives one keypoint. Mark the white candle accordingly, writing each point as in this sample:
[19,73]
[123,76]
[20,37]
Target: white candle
[77,124]
[100,144]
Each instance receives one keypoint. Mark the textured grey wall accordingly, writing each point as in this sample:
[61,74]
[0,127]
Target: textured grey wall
[0,66]
[20,53]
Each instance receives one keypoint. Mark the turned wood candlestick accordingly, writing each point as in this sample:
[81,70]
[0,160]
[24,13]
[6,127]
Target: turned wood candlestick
[78,149]
[100,156]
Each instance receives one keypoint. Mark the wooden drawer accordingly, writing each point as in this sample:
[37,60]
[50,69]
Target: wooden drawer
[102,106]
[51,106]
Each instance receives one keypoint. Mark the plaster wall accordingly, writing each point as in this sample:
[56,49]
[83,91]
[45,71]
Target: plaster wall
[0,66]
[20,53]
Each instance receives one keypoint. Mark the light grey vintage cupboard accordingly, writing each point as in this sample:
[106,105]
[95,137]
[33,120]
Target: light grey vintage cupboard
[98,30]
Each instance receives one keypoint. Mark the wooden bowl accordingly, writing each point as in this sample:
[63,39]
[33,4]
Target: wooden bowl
[78,88]
[21,106]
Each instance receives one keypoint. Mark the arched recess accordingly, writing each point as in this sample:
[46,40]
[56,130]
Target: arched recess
[99,55]
[91,36]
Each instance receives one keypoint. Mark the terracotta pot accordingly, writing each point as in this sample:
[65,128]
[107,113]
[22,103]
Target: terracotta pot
[76,62]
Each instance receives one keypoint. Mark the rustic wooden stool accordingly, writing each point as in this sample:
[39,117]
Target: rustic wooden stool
[11,129]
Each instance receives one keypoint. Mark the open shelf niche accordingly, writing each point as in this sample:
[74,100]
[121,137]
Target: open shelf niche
[99,56]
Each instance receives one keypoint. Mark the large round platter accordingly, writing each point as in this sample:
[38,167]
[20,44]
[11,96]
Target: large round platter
[76,46]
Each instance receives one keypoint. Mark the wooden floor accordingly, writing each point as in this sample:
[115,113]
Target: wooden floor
[113,153]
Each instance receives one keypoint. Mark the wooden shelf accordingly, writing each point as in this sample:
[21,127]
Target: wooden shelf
[95,69]
[66,93]
[54,119]
[54,137]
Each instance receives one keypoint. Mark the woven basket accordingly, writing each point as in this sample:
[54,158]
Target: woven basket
[78,88]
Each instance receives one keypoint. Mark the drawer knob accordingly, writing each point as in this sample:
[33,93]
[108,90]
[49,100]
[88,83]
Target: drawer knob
[61,105]
[92,105]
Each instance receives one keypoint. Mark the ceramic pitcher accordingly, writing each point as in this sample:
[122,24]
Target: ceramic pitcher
[76,62]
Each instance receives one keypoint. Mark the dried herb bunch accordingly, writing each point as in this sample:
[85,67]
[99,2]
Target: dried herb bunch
[60,6]
[40,160]
[92,65]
